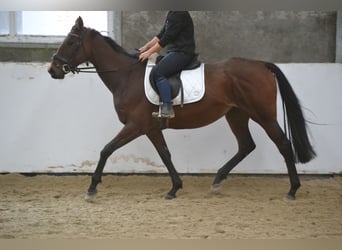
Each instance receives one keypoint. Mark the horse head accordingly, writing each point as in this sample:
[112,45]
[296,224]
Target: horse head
[71,53]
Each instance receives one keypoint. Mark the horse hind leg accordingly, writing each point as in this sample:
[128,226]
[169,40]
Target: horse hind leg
[238,121]
[277,135]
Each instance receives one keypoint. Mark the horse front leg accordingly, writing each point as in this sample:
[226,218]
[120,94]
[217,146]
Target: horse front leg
[157,139]
[127,134]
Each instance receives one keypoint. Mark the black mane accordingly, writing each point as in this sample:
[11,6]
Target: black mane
[111,42]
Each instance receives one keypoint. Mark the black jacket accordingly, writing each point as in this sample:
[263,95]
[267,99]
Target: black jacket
[177,33]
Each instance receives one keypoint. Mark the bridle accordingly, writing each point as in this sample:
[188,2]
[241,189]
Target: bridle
[67,66]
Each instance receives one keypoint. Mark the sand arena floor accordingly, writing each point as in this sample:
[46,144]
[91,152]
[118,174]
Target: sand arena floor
[132,207]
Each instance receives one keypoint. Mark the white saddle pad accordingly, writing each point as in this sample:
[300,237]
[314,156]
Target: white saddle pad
[193,84]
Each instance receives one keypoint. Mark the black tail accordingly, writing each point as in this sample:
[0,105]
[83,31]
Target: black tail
[303,151]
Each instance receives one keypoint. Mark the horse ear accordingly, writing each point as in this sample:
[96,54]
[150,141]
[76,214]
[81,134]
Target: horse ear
[79,23]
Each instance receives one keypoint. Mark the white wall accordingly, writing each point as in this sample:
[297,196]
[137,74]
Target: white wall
[61,126]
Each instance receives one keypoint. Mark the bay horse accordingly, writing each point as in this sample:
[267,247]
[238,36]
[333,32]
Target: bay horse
[239,89]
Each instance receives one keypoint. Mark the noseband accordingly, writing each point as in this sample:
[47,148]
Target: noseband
[66,68]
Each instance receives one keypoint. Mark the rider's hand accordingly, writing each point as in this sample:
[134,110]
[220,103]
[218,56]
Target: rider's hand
[144,56]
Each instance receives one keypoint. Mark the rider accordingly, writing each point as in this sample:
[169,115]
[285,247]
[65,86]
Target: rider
[177,35]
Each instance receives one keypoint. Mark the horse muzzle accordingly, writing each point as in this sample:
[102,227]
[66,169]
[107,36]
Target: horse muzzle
[55,72]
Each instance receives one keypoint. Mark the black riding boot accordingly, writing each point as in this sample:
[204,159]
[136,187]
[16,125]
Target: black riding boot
[167,110]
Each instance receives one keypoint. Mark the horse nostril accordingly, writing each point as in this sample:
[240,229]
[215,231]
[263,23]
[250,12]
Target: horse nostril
[55,73]
[51,71]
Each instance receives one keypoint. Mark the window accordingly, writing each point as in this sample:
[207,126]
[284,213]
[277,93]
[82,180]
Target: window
[4,23]
[27,28]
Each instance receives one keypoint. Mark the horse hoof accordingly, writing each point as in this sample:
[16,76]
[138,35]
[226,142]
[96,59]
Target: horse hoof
[90,196]
[170,197]
[215,187]
[291,197]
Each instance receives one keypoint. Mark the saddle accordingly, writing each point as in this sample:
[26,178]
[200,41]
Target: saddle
[175,80]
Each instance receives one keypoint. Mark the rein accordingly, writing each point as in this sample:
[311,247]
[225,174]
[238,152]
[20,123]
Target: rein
[89,69]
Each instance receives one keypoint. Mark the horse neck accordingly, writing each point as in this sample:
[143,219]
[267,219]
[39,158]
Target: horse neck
[111,65]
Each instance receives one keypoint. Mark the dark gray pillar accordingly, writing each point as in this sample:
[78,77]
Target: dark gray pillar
[116,19]
[339,37]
